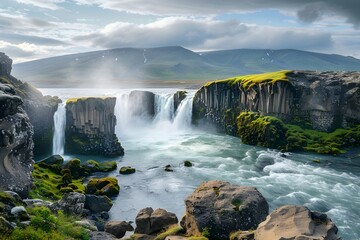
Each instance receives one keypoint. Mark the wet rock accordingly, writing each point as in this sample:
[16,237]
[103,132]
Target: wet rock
[187,163]
[97,204]
[296,222]
[96,235]
[178,97]
[54,159]
[149,221]
[168,168]
[118,228]
[221,208]
[127,170]
[71,203]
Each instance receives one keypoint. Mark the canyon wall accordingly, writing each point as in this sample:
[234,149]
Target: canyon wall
[323,100]
[90,127]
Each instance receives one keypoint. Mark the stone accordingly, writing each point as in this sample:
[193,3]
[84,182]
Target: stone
[96,235]
[142,104]
[20,213]
[296,222]
[36,202]
[220,208]
[118,228]
[103,186]
[71,203]
[90,127]
[187,163]
[149,221]
[97,204]
[5,226]
[86,224]
[126,170]
[138,236]
[178,97]
[54,159]
[14,195]
[168,168]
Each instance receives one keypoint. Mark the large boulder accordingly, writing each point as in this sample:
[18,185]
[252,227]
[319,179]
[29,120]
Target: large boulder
[149,221]
[296,222]
[219,208]
[118,228]
[97,204]
[71,203]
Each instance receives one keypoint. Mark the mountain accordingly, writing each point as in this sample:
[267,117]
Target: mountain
[169,65]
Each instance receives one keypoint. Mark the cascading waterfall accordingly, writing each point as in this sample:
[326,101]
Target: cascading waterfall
[59,129]
[164,108]
[184,113]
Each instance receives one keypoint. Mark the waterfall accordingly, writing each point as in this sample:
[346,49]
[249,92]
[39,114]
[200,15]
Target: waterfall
[184,113]
[164,108]
[59,129]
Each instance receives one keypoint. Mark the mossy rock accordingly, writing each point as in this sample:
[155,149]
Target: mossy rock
[103,186]
[66,189]
[187,163]
[171,231]
[7,199]
[127,170]
[94,166]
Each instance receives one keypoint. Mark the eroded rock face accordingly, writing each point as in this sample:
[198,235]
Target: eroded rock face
[220,208]
[90,127]
[327,100]
[16,144]
[296,222]
[178,97]
[40,109]
[71,203]
[142,104]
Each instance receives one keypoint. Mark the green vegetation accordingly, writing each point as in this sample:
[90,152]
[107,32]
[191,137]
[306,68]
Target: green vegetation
[255,129]
[44,225]
[174,230]
[127,170]
[198,238]
[248,81]
[74,100]
[235,234]
[237,203]
[205,232]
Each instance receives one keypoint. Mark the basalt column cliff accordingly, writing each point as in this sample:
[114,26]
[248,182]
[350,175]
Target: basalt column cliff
[90,127]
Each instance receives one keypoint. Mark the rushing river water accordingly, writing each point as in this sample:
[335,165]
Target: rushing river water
[331,186]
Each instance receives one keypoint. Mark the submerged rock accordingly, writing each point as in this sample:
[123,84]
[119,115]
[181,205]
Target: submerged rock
[219,208]
[127,170]
[90,127]
[296,222]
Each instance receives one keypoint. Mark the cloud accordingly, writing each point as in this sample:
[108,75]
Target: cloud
[204,34]
[349,9]
[48,4]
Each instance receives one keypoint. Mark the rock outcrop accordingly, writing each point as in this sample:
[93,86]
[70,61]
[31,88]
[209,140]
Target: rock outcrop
[90,127]
[178,97]
[325,100]
[296,222]
[142,104]
[16,143]
[40,109]
[219,208]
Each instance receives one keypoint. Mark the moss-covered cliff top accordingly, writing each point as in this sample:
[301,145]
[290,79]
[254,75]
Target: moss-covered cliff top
[74,100]
[248,81]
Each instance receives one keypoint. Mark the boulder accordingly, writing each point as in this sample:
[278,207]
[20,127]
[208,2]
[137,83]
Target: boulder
[118,228]
[97,204]
[127,170]
[296,222]
[187,163]
[86,224]
[149,221]
[20,213]
[54,159]
[70,203]
[178,97]
[103,186]
[220,208]
[96,235]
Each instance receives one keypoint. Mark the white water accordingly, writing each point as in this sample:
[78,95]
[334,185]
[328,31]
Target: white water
[332,186]
[59,129]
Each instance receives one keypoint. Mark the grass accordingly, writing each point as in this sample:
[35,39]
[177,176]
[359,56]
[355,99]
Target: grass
[74,100]
[248,81]
[174,230]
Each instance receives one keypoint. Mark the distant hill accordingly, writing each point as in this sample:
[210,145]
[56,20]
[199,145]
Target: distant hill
[169,65]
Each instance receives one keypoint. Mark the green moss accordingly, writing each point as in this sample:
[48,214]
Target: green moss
[103,186]
[248,81]
[94,166]
[198,238]
[255,129]
[175,230]
[216,191]
[7,198]
[205,232]
[237,203]
[74,100]
[235,234]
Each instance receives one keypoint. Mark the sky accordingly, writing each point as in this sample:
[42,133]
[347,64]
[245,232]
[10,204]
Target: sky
[33,29]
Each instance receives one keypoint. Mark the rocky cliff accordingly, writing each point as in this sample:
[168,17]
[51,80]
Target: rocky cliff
[322,100]
[40,109]
[90,127]
[16,144]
